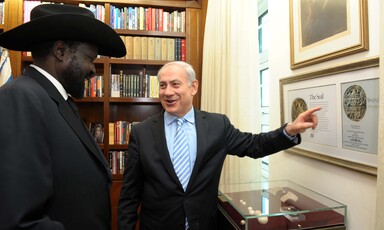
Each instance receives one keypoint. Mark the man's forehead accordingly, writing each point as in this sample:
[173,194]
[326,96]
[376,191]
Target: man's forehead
[170,80]
[173,71]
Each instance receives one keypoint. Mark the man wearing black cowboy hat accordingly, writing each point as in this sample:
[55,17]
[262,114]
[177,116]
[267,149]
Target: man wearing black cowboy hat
[52,173]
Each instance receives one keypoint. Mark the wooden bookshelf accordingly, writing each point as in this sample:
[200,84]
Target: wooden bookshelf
[107,109]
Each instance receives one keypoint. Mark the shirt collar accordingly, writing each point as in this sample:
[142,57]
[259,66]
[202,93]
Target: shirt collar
[190,117]
[54,81]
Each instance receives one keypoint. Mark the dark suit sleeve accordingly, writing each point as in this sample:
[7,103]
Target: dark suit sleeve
[25,163]
[257,145]
[132,186]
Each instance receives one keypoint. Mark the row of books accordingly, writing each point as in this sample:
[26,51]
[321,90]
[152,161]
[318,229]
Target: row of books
[123,85]
[155,48]
[130,17]
[119,132]
[151,48]
[2,12]
[116,161]
[151,19]
[94,86]
[134,85]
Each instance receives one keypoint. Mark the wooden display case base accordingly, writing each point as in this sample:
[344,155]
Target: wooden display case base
[226,221]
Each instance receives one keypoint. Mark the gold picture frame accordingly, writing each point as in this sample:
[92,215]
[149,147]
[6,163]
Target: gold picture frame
[325,30]
[331,81]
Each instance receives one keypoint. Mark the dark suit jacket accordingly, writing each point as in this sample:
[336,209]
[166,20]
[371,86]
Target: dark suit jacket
[150,180]
[52,174]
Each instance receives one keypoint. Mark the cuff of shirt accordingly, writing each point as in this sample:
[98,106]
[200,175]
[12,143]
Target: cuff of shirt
[291,138]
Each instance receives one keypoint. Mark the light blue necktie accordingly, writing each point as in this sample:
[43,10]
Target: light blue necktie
[181,161]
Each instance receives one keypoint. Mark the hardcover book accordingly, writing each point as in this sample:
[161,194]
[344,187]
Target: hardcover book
[171,49]
[151,48]
[164,49]
[137,48]
[144,48]
[129,47]
[157,48]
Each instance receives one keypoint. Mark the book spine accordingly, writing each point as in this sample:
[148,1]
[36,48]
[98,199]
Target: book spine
[144,48]
[111,132]
[183,50]
[121,83]
[161,19]
[164,49]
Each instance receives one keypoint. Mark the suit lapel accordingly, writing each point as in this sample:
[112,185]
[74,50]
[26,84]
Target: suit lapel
[74,122]
[201,131]
[161,145]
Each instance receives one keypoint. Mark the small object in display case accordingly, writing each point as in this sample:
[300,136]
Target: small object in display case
[277,205]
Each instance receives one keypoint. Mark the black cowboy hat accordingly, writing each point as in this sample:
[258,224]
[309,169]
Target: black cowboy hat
[51,22]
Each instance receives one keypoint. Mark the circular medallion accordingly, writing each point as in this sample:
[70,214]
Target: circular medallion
[355,102]
[298,106]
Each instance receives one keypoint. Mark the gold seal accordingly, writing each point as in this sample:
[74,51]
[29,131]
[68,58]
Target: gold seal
[298,106]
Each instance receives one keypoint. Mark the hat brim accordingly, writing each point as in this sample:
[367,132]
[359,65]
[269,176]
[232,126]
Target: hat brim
[71,27]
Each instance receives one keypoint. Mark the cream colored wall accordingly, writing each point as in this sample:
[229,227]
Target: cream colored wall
[357,190]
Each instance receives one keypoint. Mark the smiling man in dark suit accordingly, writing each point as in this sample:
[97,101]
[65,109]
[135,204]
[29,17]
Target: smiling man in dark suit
[52,173]
[151,177]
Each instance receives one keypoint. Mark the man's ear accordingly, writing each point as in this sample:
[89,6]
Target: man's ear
[59,49]
[195,86]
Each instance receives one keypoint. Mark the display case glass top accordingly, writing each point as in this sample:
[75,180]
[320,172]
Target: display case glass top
[279,205]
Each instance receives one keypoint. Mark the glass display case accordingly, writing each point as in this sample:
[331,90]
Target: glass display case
[277,205]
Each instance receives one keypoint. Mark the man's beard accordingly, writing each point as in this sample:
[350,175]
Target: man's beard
[73,80]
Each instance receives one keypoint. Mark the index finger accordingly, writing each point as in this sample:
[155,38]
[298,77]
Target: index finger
[312,110]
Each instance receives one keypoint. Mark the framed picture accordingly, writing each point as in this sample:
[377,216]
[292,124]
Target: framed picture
[97,131]
[347,132]
[322,30]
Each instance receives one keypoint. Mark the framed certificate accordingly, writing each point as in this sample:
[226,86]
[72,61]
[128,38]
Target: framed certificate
[347,132]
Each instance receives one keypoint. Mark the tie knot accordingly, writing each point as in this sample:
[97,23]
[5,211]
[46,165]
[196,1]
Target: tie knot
[180,121]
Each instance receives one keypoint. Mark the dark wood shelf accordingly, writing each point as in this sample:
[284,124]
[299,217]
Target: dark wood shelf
[90,99]
[131,100]
[117,177]
[26,58]
[134,100]
[136,62]
[118,147]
